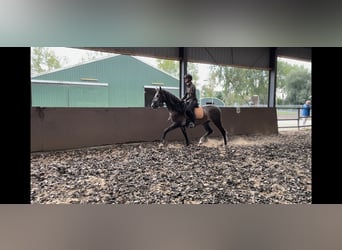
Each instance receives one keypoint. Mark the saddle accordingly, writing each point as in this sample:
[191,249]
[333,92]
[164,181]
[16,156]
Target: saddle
[199,113]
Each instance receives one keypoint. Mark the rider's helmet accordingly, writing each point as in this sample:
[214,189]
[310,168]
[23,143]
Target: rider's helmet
[188,76]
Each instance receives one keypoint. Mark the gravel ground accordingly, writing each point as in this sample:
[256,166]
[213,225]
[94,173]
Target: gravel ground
[254,169]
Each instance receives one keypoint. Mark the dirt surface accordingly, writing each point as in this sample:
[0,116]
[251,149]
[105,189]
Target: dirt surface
[256,169]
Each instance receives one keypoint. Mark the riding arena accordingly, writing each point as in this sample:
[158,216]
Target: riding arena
[258,169]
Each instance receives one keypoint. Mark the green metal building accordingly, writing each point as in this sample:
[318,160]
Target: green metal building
[118,81]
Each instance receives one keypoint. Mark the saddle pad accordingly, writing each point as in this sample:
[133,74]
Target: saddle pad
[199,113]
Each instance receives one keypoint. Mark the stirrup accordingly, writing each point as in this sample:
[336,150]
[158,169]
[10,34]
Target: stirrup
[191,125]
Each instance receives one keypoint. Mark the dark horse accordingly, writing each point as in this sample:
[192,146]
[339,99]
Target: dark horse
[176,109]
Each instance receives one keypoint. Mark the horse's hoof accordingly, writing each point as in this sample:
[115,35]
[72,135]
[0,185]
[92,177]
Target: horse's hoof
[202,140]
[161,145]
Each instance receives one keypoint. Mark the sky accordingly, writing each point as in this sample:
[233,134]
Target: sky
[74,57]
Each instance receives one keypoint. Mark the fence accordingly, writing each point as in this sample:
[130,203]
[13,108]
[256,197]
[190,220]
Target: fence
[290,118]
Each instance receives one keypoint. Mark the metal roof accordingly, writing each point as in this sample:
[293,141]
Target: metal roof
[69,83]
[249,57]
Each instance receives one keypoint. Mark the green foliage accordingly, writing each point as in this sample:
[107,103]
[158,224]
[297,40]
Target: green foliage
[295,82]
[209,89]
[283,70]
[193,70]
[43,60]
[172,67]
[238,84]
[298,87]
[169,66]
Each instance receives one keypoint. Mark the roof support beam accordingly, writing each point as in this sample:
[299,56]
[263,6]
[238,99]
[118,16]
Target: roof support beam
[272,83]
[182,71]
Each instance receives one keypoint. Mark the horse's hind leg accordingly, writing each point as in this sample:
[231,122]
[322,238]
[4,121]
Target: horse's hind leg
[209,131]
[222,130]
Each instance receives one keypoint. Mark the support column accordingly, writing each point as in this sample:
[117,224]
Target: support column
[182,71]
[272,82]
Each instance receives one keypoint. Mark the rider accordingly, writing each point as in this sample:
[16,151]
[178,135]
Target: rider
[190,99]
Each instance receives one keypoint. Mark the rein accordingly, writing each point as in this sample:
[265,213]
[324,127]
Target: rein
[173,103]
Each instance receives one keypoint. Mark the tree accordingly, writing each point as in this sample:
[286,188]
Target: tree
[209,89]
[193,70]
[294,82]
[169,66]
[44,60]
[239,85]
[172,67]
[298,87]
[283,70]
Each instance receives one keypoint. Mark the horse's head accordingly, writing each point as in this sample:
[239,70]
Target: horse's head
[157,100]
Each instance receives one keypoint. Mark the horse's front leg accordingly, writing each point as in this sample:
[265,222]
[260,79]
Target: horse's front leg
[168,129]
[185,135]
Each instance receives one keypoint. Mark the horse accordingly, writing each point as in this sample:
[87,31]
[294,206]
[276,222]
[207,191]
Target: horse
[176,108]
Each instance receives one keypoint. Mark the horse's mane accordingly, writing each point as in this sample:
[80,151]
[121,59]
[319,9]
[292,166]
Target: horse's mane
[173,102]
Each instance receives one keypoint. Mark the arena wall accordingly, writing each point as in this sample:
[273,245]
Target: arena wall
[69,128]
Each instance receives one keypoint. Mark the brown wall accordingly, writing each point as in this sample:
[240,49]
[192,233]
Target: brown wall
[67,128]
